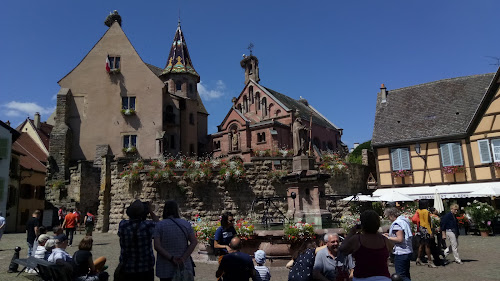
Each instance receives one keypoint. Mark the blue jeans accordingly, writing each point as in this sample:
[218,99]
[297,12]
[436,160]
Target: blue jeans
[402,266]
[30,249]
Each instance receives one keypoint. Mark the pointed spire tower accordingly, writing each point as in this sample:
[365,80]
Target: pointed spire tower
[179,61]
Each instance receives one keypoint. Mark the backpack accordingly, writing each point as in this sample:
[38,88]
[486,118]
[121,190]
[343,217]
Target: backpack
[90,219]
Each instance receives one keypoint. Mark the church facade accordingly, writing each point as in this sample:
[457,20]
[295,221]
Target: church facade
[260,122]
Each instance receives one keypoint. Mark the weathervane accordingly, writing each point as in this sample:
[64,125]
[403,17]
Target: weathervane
[250,47]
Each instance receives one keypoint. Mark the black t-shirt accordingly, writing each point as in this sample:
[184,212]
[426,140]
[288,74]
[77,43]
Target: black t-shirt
[30,228]
[237,266]
[81,263]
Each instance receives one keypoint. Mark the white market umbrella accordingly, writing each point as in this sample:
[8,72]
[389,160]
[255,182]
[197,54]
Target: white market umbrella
[395,196]
[360,198]
[438,202]
[486,191]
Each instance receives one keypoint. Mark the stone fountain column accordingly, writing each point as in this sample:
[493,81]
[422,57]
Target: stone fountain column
[304,186]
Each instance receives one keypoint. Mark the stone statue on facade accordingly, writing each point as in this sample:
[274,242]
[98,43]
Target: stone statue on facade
[300,139]
[234,141]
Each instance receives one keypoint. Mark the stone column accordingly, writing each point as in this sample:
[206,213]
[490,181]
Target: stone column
[104,195]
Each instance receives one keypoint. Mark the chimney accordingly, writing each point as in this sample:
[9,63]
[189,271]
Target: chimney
[355,145]
[37,120]
[7,123]
[383,92]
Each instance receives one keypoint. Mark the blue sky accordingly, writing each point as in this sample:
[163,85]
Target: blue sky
[335,54]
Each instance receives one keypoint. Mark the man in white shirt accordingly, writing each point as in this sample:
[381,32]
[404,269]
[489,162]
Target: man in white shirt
[59,253]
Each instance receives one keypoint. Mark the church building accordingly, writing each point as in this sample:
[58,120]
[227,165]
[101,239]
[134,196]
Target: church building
[261,119]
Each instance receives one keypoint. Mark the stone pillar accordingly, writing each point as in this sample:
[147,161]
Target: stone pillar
[104,195]
[308,206]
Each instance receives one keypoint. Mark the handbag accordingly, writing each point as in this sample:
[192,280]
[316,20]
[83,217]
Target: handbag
[416,219]
[181,274]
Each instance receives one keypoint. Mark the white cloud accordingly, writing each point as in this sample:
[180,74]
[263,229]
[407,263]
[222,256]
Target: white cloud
[17,109]
[208,93]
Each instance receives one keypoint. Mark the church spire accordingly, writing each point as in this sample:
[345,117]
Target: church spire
[179,60]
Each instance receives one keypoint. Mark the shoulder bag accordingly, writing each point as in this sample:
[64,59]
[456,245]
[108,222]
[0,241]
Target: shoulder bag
[187,239]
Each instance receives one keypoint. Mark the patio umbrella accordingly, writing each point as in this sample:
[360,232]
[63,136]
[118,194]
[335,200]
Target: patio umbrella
[394,196]
[486,191]
[438,202]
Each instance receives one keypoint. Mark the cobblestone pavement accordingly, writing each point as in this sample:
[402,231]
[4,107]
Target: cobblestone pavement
[481,256]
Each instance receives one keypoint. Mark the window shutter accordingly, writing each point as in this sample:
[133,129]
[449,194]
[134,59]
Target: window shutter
[405,159]
[456,152]
[495,147]
[445,154]
[395,157]
[4,143]
[484,151]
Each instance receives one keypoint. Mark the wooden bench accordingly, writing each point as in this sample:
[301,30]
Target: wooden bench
[48,271]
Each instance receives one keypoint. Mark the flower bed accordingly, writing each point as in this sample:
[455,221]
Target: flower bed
[244,228]
[453,170]
[332,164]
[204,229]
[299,231]
[276,175]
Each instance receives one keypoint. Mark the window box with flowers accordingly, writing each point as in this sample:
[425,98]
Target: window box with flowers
[129,150]
[449,170]
[496,165]
[128,112]
[402,173]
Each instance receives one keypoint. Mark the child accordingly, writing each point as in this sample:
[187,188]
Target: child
[262,270]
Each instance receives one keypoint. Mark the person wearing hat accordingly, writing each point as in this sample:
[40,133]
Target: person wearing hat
[40,250]
[59,253]
[136,235]
[263,273]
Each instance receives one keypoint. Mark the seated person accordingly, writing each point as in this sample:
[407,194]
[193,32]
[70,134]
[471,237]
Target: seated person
[49,246]
[59,253]
[84,267]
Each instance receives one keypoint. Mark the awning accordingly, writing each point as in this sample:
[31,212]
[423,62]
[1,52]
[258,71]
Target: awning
[466,190]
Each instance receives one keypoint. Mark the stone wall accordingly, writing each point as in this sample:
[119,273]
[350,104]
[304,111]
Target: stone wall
[245,198]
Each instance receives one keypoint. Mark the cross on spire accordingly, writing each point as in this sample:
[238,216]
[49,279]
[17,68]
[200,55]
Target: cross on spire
[250,47]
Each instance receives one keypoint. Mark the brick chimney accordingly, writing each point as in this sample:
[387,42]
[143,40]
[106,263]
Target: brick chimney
[7,123]
[383,92]
[37,120]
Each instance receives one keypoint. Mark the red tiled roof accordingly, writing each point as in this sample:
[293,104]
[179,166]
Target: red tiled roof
[32,156]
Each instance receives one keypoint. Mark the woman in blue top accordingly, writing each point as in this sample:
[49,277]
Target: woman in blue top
[224,234]
[400,233]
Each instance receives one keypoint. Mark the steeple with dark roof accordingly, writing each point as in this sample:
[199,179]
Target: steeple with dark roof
[179,60]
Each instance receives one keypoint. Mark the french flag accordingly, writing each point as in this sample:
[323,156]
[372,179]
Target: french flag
[108,68]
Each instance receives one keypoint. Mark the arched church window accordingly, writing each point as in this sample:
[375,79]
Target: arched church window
[245,104]
[277,113]
[264,107]
[250,93]
[257,100]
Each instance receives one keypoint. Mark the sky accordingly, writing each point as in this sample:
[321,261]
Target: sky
[335,54]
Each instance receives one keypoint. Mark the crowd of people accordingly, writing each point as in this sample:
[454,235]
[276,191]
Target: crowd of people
[363,254]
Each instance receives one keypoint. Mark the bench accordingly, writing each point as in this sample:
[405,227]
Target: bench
[48,271]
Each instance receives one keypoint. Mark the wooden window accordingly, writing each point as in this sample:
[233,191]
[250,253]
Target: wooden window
[27,191]
[451,154]
[128,103]
[129,141]
[40,192]
[484,151]
[114,62]
[495,148]
[400,159]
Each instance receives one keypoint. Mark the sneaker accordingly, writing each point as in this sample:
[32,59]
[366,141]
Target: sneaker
[459,262]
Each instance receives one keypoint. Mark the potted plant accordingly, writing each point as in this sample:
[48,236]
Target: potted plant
[402,173]
[299,231]
[449,170]
[481,214]
[131,149]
